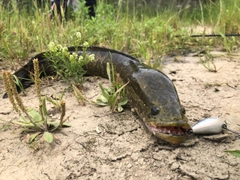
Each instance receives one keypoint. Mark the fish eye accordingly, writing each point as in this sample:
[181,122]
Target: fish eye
[155,110]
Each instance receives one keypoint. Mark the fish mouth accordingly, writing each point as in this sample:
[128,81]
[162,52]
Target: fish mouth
[173,134]
[172,130]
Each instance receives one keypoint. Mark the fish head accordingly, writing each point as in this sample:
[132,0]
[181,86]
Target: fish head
[161,109]
[168,124]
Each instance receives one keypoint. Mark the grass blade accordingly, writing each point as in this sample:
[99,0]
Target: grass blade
[235,153]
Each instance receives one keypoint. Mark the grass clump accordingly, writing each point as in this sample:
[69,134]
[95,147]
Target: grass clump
[38,124]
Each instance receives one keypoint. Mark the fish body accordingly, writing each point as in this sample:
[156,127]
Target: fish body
[209,126]
[150,92]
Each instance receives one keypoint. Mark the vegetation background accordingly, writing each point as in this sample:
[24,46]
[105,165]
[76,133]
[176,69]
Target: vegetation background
[145,29]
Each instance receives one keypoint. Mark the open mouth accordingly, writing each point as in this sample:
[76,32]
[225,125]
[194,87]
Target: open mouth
[171,130]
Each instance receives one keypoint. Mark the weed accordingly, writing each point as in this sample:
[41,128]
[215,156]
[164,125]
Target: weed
[79,94]
[69,65]
[208,61]
[113,96]
[229,43]
[39,124]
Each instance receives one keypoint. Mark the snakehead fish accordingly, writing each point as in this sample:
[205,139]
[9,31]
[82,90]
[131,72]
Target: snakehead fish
[150,92]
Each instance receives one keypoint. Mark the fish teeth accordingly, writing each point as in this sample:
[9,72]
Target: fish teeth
[164,130]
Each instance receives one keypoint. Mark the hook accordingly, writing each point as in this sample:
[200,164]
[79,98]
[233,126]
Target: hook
[224,126]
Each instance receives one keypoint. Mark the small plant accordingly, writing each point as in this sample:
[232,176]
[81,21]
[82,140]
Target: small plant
[79,95]
[229,43]
[113,96]
[38,124]
[208,62]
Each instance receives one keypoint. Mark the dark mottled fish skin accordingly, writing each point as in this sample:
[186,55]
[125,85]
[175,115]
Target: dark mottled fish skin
[150,92]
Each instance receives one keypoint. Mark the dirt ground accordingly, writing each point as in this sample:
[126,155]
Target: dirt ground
[102,145]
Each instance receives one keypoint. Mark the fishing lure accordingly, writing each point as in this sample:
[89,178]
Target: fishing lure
[210,126]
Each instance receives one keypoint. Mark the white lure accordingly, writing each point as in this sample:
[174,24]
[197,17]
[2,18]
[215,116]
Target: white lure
[209,126]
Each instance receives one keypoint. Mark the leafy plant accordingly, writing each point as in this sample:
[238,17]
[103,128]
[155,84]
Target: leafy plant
[39,125]
[114,95]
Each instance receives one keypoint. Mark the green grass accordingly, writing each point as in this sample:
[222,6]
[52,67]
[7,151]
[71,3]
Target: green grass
[139,30]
